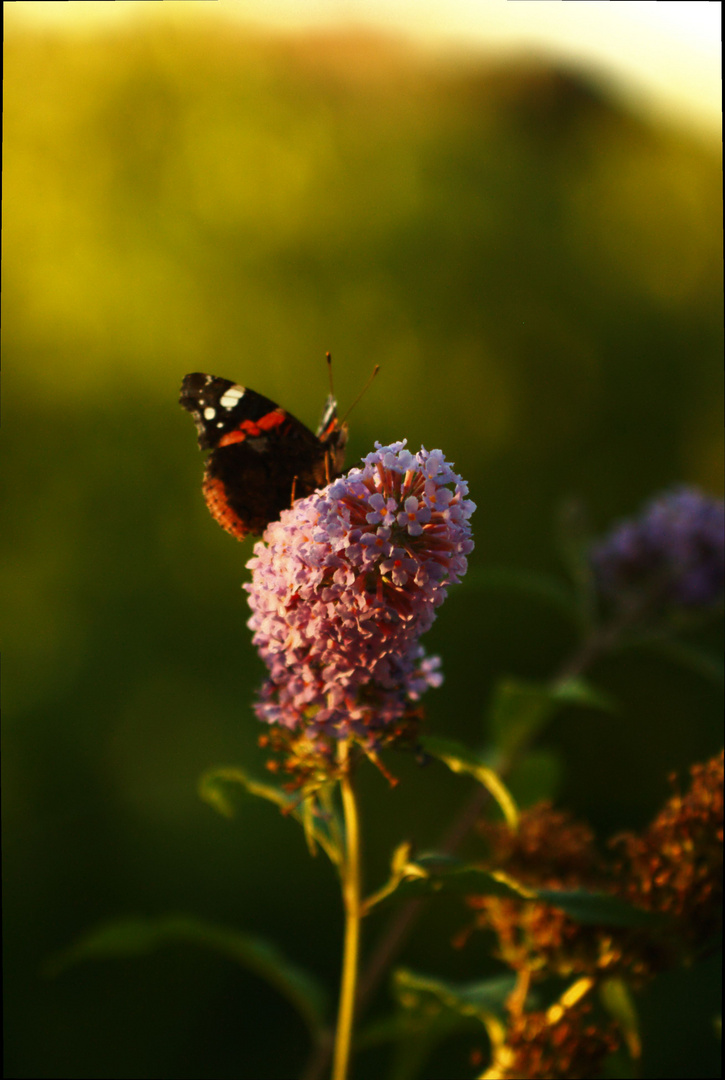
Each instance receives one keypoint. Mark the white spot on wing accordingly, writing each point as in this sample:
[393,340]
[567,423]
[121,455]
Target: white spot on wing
[209,413]
[232,396]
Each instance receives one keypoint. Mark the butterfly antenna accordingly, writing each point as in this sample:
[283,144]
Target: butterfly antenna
[328,357]
[364,390]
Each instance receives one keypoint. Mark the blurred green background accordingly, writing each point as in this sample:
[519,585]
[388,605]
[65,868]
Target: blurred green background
[537,270]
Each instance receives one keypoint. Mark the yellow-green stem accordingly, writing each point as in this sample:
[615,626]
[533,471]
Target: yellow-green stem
[350,877]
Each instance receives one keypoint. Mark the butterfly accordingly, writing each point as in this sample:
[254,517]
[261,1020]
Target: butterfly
[262,457]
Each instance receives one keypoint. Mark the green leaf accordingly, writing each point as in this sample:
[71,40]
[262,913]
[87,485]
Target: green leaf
[517,713]
[577,691]
[432,1002]
[510,579]
[617,999]
[214,788]
[137,937]
[596,908]
[451,748]
[417,993]
[519,710]
[431,874]
[415,1036]
[709,665]
[387,1029]
[460,759]
[214,784]
[536,776]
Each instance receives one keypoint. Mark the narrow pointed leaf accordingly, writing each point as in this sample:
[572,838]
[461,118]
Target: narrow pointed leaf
[429,875]
[577,691]
[136,937]
[597,908]
[417,992]
[709,665]
[520,710]
[536,775]
[617,999]
[215,783]
[415,1036]
[460,759]
[517,713]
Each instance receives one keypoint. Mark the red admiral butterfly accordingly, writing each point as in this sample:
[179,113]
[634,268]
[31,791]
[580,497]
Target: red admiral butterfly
[262,457]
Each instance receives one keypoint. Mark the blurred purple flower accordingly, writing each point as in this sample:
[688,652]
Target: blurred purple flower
[344,584]
[672,555]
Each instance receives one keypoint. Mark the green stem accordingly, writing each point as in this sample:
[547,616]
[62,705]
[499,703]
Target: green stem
[350,877]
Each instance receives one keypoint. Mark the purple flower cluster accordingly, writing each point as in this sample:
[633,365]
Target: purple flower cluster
[672,555]
[344,584]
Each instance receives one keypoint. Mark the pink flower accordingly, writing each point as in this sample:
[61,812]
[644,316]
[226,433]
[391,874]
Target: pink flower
[343,586]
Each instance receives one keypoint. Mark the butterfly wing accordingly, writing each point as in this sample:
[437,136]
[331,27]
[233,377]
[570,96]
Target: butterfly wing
[261,456]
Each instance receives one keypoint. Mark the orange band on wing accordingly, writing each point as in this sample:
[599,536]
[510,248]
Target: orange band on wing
[254,427]
[271,420]
[232,437]
[220,510]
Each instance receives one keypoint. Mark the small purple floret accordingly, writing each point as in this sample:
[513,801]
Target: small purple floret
[673,555]
[343,586]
